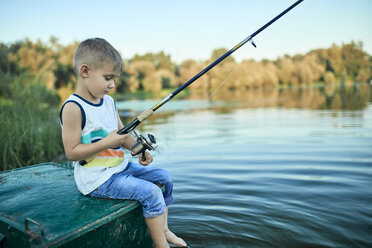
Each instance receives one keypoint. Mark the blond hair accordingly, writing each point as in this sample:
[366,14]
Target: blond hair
[95,52]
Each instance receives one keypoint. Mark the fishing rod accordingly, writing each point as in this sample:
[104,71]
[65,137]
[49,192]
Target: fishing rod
[143,143]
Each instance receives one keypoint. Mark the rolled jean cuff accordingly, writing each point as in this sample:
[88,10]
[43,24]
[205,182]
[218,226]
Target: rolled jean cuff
[168,200]
[149,214]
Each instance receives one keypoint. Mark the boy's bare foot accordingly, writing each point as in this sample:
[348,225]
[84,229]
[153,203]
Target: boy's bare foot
[172,238]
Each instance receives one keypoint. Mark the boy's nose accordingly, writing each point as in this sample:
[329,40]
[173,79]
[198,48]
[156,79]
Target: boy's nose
[112,84]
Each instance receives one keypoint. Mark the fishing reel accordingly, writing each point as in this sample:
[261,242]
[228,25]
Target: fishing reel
[143,144]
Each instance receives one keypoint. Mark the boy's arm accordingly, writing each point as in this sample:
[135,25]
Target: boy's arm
[130,142]
[71,136]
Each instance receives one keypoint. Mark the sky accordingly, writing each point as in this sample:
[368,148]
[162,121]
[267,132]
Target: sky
[191,29]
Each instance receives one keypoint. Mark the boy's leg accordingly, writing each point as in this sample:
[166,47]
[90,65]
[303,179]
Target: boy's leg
[170,236]
[153,174]
[125,186]
[156,231]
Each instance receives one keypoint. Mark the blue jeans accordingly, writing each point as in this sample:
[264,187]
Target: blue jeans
[136,182]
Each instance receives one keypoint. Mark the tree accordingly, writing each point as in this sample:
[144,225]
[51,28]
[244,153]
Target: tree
[64,71]
[355,58]
[167,78]
[334,57]
[287,71]
[270,75]
[218,53]
[160,60]
[38,59]
[364,74]
[143,71]
[329,78]
[187,70]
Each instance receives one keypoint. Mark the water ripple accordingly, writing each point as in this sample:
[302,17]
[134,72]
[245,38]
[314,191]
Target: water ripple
[269,177]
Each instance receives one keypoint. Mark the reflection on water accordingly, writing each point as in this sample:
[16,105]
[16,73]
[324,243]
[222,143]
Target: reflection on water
[354,97]
[324,97]
[267,168]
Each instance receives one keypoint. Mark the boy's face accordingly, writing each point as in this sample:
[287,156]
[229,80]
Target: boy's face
[100,81]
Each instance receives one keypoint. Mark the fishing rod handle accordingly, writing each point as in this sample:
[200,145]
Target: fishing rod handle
[133,124]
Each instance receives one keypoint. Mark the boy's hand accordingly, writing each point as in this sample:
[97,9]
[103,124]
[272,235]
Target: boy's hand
[148,158]
[114,140]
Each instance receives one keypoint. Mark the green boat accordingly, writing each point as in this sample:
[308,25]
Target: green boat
[40,206]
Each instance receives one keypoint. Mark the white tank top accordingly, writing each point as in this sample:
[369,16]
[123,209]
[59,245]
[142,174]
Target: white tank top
[98,121]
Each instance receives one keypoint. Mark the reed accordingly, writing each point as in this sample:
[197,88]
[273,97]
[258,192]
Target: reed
[29,128]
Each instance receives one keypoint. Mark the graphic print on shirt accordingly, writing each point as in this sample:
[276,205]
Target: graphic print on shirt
[108,158]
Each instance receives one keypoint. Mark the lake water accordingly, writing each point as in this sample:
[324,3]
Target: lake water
[279,168]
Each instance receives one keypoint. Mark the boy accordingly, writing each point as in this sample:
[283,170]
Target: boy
[89,122]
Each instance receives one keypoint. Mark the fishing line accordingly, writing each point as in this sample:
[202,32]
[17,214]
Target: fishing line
[227,77]
[218,88]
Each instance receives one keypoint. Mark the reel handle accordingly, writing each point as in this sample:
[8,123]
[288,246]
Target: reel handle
[144,156]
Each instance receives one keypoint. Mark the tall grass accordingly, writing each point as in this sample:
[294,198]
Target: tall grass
[29,128]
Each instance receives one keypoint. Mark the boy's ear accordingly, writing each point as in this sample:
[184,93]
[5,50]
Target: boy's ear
[84,70]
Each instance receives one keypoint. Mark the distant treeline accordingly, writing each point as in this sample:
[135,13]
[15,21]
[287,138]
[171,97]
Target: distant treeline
[51,64]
